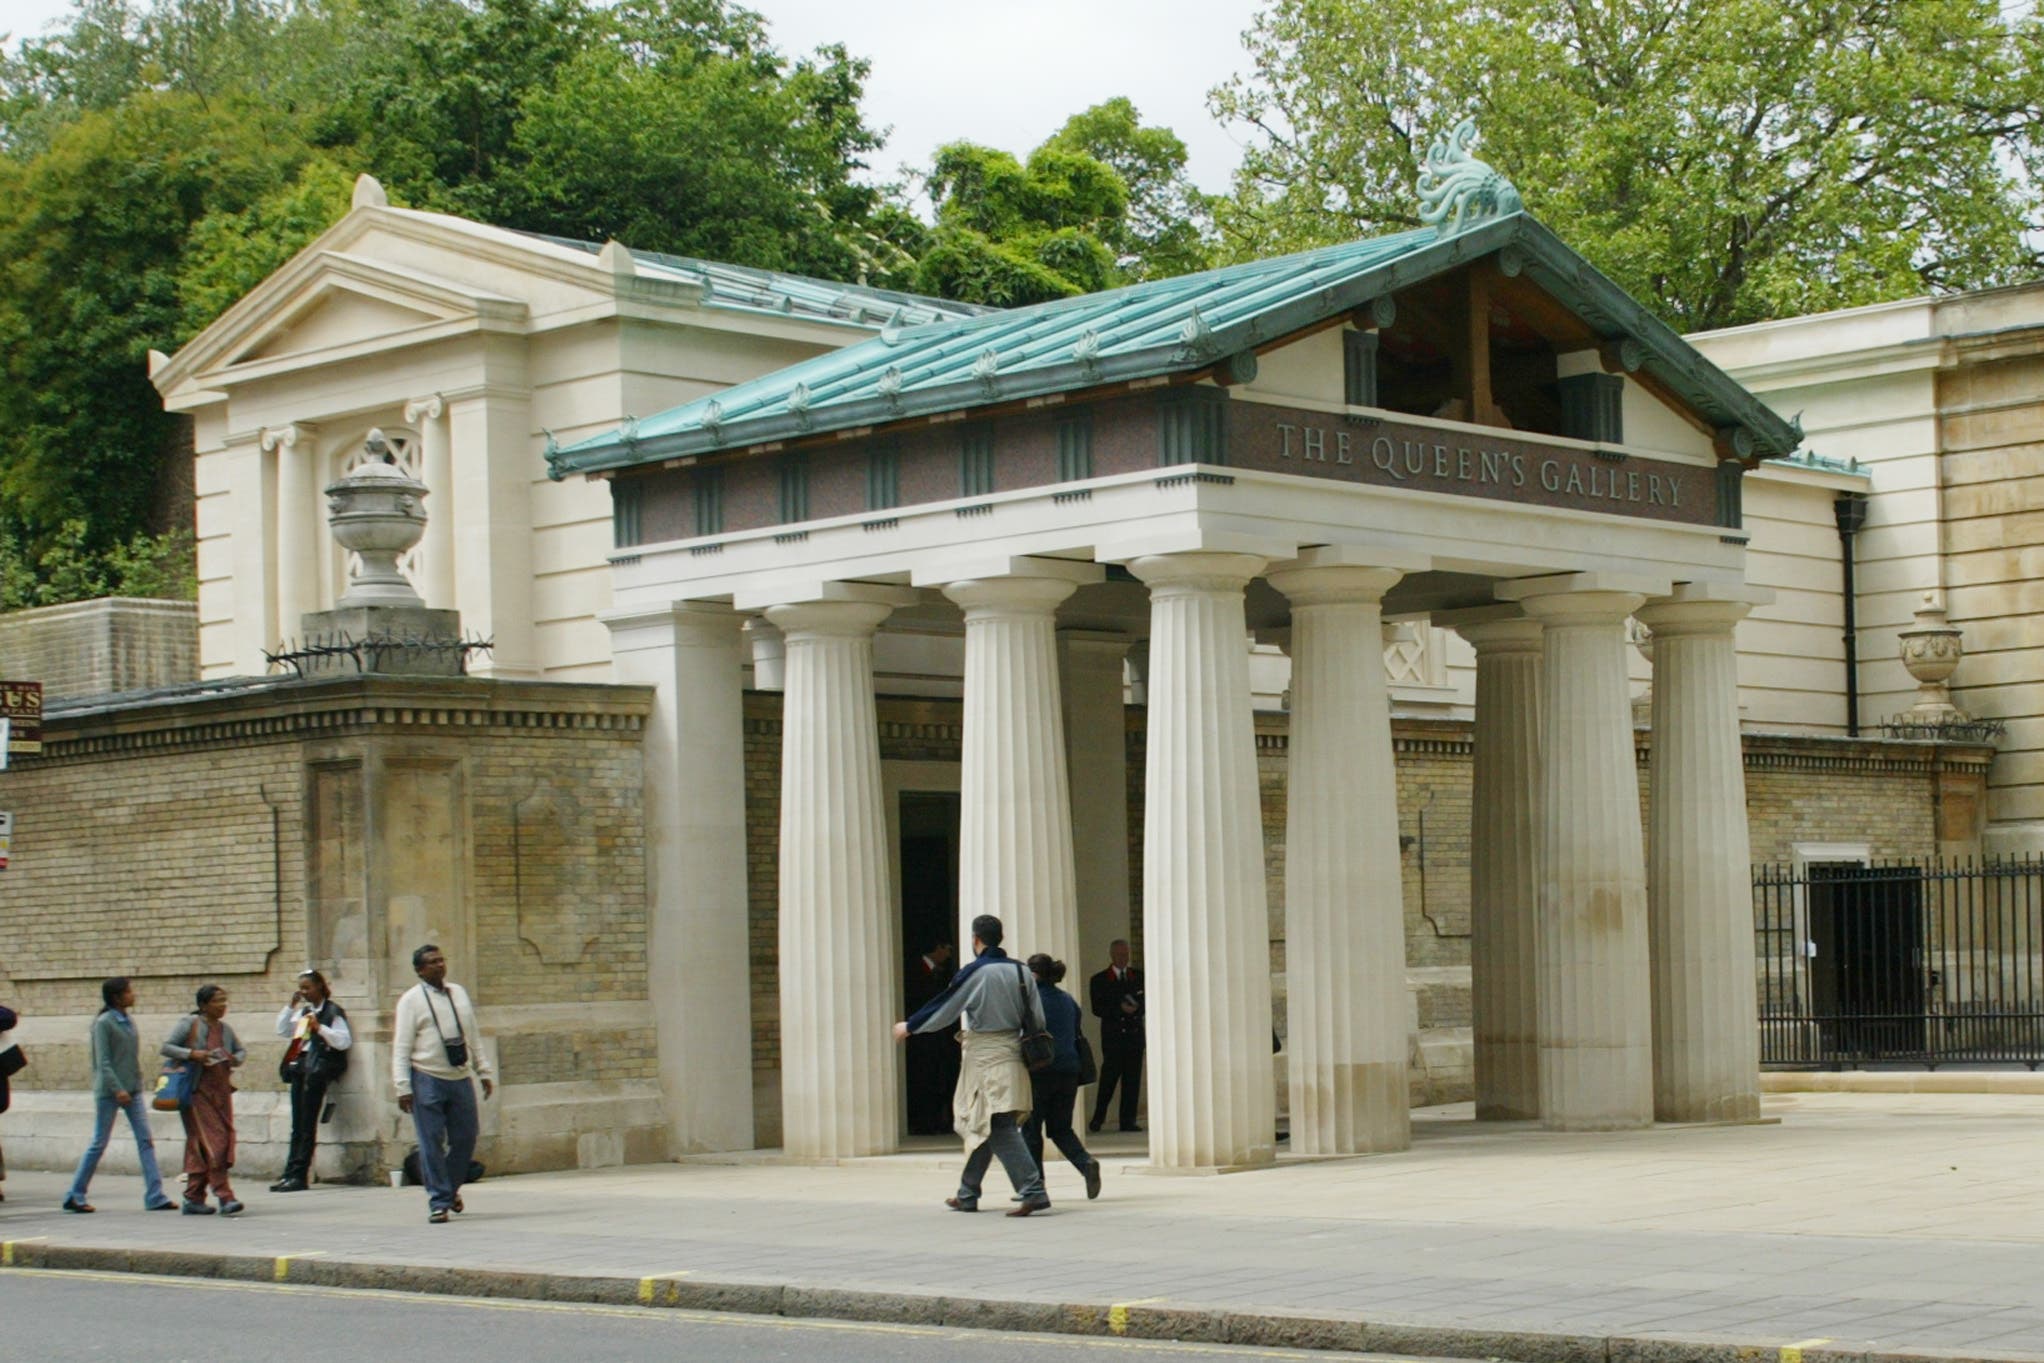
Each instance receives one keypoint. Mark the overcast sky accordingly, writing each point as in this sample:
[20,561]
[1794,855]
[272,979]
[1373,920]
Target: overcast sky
[1003,74]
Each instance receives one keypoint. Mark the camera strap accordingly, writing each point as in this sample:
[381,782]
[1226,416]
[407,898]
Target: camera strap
[434,1013]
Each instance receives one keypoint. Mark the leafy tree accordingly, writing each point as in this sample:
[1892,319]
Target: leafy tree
[1166,230]
[1010,233]
[230,251]
[1725,160]
[91,235]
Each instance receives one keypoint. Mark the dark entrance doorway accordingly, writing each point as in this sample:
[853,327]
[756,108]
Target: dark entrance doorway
[929,920]
[1867,976]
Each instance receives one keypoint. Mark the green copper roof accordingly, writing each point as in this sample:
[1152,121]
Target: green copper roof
[1159,328]
[744,289]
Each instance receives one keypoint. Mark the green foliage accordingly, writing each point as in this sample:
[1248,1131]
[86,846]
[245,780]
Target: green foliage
[1166,229]
[91,235]
[230,251]
[161,567]
[1724,160]
[1102,202]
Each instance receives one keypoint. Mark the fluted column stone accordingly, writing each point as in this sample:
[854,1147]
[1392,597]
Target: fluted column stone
[1596,1029]
[1015,811]
[1206,928]
[1347,1049]
[1699,873]
[839,1089]
[1504,849]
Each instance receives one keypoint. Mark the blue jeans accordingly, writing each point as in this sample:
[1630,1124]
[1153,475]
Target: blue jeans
[444,1115]
[104,1108]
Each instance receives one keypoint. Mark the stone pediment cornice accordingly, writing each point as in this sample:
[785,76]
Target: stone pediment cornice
[313,278]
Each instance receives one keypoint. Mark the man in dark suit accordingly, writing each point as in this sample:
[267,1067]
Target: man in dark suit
[1117,995]
[932,1058]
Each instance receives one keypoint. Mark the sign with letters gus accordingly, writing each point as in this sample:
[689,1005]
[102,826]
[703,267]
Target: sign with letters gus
[21,704]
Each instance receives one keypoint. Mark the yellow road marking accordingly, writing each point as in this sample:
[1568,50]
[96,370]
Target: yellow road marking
[1117,1314]
[284,1262]
[1793,1353]
[649,1288]
[734,1320]
[7,1248]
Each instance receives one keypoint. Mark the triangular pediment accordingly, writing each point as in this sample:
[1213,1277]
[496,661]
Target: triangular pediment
[353,289]
[337,314]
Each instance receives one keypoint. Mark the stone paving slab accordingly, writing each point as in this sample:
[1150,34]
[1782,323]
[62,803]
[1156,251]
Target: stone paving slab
[1876,1224]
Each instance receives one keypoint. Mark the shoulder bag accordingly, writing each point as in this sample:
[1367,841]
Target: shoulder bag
[174,1085]
[1038,1049]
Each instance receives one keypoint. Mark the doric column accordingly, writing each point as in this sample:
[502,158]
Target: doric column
[1699,876]
[1096,748]
[1596,1031]
[1504,846]
[1015,810]
[1344,904]
[1206,926]
[436,460]
[301,520]
[839,978]
[698,972]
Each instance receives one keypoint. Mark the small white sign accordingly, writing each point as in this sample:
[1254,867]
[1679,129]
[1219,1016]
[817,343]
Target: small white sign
[6,836]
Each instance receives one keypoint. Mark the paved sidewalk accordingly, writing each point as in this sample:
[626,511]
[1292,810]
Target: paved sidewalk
[1877,1223]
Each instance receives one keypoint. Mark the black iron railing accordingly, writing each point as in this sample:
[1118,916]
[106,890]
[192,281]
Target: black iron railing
[1931,963]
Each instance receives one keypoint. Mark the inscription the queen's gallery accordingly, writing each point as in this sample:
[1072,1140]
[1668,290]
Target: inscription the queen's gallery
[1430,462]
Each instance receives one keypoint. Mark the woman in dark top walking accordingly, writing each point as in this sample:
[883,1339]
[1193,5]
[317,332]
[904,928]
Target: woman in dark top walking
[1057,1088]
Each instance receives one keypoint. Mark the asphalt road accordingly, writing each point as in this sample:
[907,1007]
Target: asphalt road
[60,1317]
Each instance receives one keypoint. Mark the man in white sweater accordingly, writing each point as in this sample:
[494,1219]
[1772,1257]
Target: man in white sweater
[434,1048]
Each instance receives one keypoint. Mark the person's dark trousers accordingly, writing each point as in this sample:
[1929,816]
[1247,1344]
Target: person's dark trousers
[308,1096]
[1056,1095]
[444,1115]
[1121,1062]
[1005,1141]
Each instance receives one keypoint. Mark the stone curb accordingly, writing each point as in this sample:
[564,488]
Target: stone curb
[1134,1320]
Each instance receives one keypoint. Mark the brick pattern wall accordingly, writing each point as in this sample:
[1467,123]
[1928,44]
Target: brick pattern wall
[86,648]
[145,845]
[560,873]
[163,865]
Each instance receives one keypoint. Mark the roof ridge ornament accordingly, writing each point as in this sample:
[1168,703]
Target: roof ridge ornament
[1086,350]
[987,369]
[1196,335]
[1457,191]
[712,420]
[798,405]
[889,387]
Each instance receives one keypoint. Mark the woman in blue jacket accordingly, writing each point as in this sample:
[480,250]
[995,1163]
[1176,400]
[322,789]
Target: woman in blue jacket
[116,1089]
[1057,1088]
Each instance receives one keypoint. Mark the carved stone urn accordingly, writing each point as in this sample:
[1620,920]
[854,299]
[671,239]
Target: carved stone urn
[377,512]
[1931,651]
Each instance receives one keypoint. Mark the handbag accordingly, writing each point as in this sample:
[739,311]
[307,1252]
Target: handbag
[1038,1050]
[174,1086]
[1089,1069]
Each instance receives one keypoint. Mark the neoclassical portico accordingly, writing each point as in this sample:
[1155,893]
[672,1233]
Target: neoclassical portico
[1468,428]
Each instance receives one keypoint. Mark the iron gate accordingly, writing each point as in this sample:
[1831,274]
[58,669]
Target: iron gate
[1931,963]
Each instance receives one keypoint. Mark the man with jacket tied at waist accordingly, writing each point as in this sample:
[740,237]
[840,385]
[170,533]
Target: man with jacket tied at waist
[993,999]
